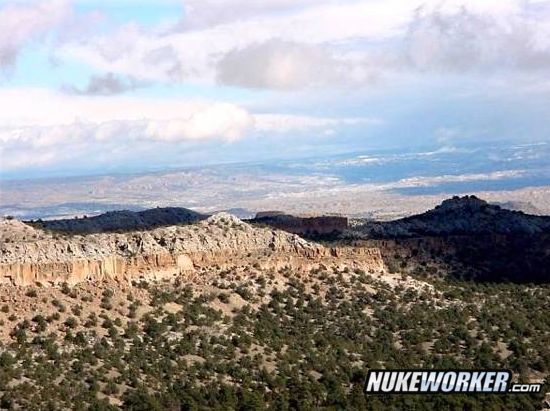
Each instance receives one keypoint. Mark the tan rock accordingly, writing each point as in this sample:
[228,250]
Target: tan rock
[222,240]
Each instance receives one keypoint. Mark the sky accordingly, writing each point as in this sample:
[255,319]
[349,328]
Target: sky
[89,86]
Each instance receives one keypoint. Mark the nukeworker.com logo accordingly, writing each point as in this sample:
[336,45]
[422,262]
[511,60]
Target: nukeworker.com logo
[444,381]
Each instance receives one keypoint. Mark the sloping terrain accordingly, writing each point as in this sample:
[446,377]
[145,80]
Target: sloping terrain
[467,215]
[464,238]
[261,339]
[244,316]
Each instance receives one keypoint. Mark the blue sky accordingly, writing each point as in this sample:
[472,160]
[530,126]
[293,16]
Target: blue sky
[92,86]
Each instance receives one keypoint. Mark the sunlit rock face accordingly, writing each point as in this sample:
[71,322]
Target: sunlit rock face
[29,255]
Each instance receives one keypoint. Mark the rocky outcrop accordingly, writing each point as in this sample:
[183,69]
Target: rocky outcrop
[464,237]
[14,231]
[222,241]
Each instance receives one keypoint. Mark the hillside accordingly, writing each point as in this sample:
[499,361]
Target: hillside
[222,240]
[118,221]
[467,215]
[463,238]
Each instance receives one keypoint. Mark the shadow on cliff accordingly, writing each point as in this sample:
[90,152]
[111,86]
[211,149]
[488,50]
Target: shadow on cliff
[515,258]
[464,238]
[468,239]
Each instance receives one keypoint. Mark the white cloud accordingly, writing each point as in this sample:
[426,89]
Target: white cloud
[314,46]
[284,44]
[218,120]
[194,54]
[31,107]
[41,117]
[21,23]
[462,40]
[46,126]
[280,123]
[283,65]
[293,45]
[207,13]
[42,107]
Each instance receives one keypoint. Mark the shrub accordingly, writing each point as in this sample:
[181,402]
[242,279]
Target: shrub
[71,322]
[31,293]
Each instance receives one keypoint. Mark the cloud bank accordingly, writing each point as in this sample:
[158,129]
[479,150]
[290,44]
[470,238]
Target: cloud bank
[22,23]
[285,45]
[61,126]
[224,71]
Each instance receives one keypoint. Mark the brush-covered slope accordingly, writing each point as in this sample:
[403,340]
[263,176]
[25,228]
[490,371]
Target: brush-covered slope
[459,216]
[118,221]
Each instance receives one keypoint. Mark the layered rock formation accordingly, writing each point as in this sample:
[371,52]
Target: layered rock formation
[467,238]
[221,241]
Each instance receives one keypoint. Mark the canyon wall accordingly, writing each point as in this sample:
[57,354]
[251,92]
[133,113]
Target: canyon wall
[220,242]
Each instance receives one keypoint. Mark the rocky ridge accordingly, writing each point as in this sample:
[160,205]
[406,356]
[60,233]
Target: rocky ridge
[221,240]
[464,237]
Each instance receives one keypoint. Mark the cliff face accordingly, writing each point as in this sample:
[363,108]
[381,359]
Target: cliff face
[222,241]
[113,267]
[483,257]
[466,238]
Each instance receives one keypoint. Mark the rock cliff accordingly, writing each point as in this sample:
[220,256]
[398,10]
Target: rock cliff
[464,237]
[221,240]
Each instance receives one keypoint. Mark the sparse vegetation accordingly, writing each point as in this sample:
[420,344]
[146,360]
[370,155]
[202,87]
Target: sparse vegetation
[306,344]
[269,328]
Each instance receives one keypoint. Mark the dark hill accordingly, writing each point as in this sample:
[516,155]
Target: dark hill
[125,220]
[459,216]
[464,238]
